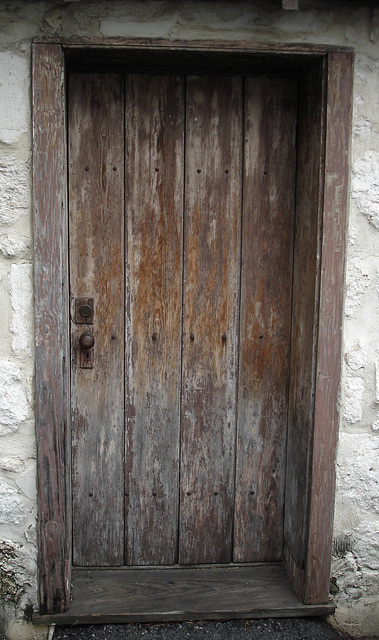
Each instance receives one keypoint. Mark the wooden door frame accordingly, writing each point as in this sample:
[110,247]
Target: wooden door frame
[325,98]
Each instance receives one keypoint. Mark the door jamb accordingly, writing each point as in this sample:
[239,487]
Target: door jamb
[309,572]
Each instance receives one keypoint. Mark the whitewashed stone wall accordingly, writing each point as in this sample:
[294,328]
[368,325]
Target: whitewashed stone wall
[355,577]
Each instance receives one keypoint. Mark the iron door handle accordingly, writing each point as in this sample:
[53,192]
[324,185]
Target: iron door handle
[86,340]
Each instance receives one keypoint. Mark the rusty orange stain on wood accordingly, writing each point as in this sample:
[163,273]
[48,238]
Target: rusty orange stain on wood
[181,381]
[154,175]
[211,300]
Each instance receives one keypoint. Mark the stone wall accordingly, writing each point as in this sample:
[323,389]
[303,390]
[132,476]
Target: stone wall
[355,580]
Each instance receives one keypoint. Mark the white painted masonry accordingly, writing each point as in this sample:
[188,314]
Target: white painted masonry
[355,575]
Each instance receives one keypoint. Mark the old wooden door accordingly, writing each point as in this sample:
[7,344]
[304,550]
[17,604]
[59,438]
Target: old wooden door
[181,199]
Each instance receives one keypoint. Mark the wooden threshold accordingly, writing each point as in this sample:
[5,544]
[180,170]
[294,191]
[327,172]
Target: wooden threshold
[122,595]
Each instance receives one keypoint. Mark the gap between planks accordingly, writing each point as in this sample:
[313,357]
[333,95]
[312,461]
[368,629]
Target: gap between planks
[123,595]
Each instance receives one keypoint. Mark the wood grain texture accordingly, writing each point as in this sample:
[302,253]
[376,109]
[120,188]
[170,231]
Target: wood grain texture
[308,230]
[266,288]
[117,43]
[328,372]
[52,317]
[96,203]
[210,317]
[154,210]
[51,325]
[169,594]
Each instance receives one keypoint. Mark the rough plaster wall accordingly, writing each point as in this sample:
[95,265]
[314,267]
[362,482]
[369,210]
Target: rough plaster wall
[356,545]
[356,548]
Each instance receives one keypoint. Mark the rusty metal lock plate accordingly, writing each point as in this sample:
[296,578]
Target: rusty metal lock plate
[84,310]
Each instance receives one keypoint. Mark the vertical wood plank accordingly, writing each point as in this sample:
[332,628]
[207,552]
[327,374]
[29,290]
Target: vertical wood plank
[266,284]
[310,149]
[328,373]
[154,210]
[96,204]
[51,325]
[211,297]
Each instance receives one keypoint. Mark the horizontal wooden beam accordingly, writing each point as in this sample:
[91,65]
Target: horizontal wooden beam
[217,46]
[150,594]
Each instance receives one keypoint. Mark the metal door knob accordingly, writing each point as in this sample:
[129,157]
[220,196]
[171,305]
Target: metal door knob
[86,340]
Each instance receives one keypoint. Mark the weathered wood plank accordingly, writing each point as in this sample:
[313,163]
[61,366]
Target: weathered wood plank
[51,325]
[154,210]
[266,286]
[328,372]
[210,316]
[117,43]
[310,137]
[158,595]
[96,203]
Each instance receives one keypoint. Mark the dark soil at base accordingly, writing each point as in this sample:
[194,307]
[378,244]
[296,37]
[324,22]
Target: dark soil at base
[270,629]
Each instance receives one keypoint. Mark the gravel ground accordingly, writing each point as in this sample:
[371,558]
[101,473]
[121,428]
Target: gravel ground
[272,629]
